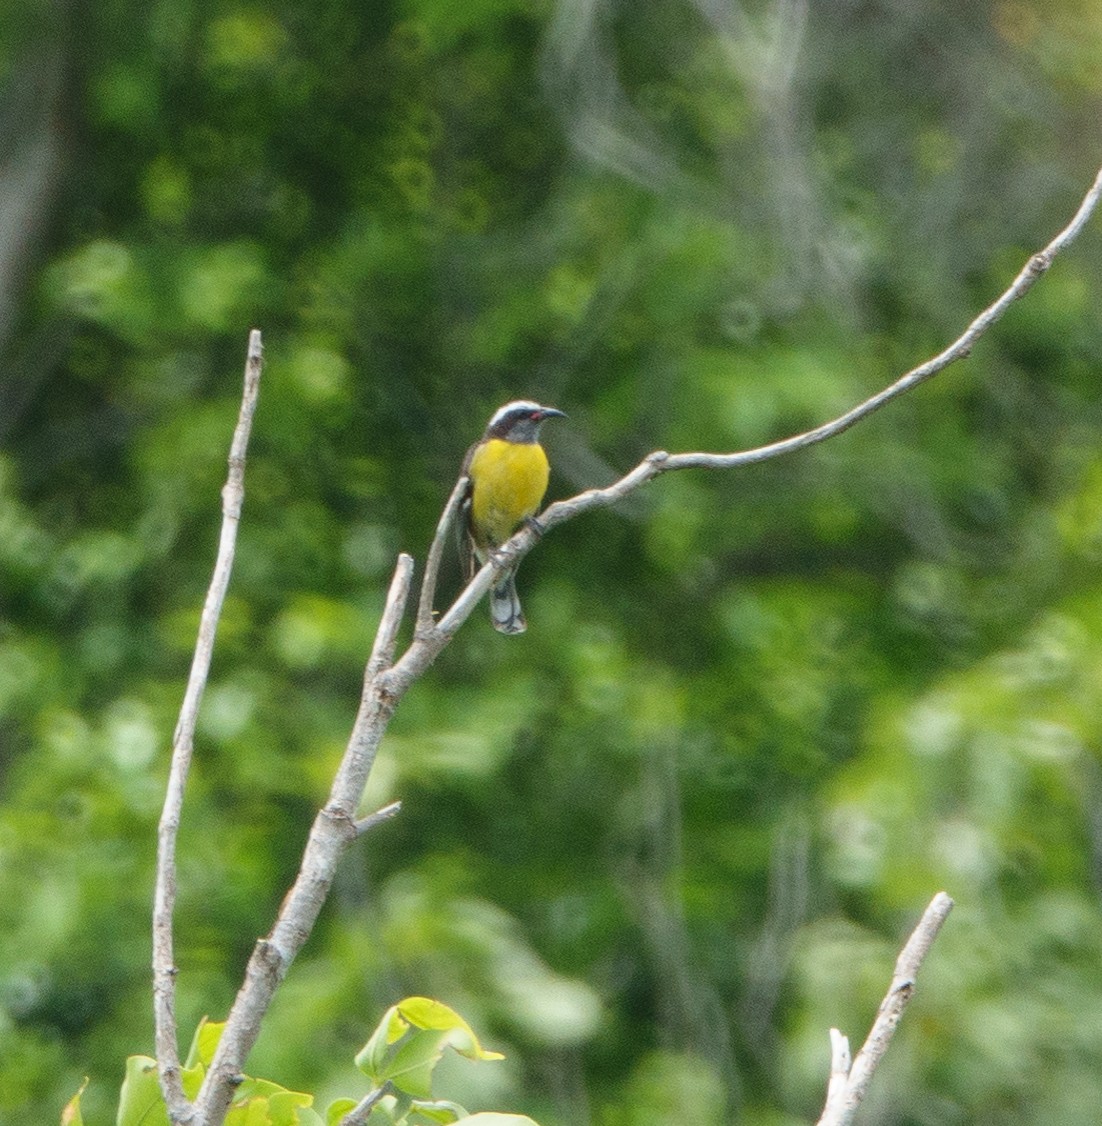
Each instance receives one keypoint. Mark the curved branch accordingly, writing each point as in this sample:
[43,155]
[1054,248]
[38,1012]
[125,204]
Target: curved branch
[360,1113]
[436,551]
[662,462]
[430,641]
[848,1085]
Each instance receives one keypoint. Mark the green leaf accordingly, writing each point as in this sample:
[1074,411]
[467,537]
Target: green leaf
[204,1042]
[71,1115]
[192,1079]
[493,1118]
[289,1107]
[201,1052]
[306,1116]
[423,1012]
[251,1088]
[409,1041]
[253,1112]
[397,1106]
[410,1068]
[437,1111]
[372,1056]
[337,1109]
[140,1102]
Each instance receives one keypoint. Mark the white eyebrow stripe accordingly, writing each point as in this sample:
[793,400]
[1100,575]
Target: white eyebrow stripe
[519,404]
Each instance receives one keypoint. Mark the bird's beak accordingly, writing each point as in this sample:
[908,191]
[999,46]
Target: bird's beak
[550,412]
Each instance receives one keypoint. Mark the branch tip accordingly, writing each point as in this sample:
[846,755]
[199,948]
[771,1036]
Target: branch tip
[850,1082]
[377,818]
[839,1073]
[382,652]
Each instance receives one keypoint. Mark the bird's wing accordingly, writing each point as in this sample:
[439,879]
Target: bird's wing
[468,564]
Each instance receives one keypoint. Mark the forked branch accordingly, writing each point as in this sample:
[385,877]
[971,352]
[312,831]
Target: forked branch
[386,680]
[849,1085]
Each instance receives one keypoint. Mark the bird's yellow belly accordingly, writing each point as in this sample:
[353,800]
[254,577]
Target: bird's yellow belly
[508,481]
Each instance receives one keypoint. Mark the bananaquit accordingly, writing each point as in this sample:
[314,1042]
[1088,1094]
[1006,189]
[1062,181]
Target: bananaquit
[508,476]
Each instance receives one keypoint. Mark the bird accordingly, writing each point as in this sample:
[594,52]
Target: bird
[507,473]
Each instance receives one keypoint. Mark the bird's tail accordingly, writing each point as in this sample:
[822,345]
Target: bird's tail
[505,611]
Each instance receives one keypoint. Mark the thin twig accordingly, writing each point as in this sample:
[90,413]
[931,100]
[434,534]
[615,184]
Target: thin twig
[164,896]
[662,462]
[898,996]
[382,652]
[461,609]
[425,620]
[358,1115]
[363,824]
[842,1104]
[840,1063]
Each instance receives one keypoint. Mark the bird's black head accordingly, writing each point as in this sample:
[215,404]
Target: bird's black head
[520,421]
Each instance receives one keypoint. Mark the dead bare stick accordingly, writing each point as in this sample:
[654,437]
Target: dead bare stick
[848,1085]
[840,1063]
[359,1114]
[335,828]
[662,462]
[164,896]
[432,562]
[391,809]
[387,679]
[386,636]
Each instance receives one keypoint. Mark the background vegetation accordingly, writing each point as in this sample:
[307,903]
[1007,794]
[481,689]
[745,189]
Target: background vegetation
[655,847]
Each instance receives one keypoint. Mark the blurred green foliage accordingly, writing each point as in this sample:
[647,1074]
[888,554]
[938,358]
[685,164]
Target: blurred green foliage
[656,847]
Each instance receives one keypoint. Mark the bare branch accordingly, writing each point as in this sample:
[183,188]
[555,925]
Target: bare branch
[164,896]
[469,598]
[898,996]
[378,817]
[845,1096]
[662,462]
[335,828]
[386,680]
[382,652]
[358,1115]
[425,620]
[840,1063]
